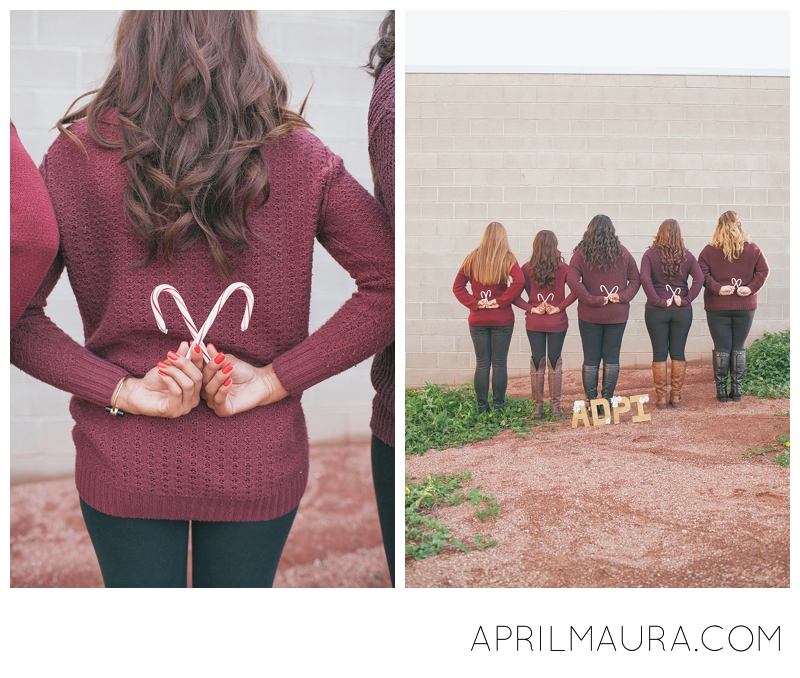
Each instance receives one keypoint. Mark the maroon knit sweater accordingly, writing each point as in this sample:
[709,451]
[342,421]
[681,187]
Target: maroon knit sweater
[751,268]
[380,123]
[557,322]
[585,282]
[34,233]
[654,282]
[254,465]
[503,294]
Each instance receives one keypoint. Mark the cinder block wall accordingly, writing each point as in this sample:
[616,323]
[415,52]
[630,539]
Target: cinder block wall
[549,151]
[58,55]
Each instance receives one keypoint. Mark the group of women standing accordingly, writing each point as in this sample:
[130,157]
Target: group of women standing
[603,277]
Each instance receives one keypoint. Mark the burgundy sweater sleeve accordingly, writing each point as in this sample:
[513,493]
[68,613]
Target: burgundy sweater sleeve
[381,138]
[708,280]
[460,290]
[514,289]
[760,273]
[578,288]
[647,282]
[33,228]
[697,279]
[627,295]
[519,301]
[355,230]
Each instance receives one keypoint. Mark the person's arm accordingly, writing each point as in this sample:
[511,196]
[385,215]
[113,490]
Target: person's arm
[460,290]
[519,301]
[760,274]
[708,279]
[647,283]
[632,275]
[697,280]
[514,289]
[575,282]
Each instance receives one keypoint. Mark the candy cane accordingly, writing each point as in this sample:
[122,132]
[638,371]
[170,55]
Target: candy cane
[543,299]
[736,282]
[603,288]
[674,292]
[486,295]
[199,335]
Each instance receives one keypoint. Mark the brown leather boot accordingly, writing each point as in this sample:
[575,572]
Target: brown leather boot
[660,382]
[537,387]
[554,384]
[678,377]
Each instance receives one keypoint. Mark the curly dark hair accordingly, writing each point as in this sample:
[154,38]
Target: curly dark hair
[600,247]
[196,98]
[383,50]
[669,243]
[545,259]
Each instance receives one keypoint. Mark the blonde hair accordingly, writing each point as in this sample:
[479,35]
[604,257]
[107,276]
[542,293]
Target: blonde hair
[491,262]
[729,235]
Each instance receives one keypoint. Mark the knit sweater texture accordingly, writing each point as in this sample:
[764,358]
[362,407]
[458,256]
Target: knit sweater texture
[504,294]
[556,322]
[751,268]
[654,281]
[34,232]
[586,282]
[253,465]
[380,123]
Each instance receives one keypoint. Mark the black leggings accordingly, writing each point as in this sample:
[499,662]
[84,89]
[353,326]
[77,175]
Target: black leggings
[601,342]
[729,329]
[383,480]
[668,329]
[491,351]
[550,342]
[150,553]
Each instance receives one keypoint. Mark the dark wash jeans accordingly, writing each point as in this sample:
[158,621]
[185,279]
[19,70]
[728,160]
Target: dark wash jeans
[491,351]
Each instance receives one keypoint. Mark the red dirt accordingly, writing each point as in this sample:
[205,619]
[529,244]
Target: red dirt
[666,503]
[335,540]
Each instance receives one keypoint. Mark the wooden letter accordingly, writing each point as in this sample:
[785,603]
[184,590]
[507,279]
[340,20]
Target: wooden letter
[596,419]
[641,416]
[580,415]
[622,406]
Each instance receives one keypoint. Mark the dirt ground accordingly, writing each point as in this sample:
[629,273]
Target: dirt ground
[335,540]
[666,503]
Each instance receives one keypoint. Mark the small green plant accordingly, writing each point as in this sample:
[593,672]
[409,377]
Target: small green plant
[426,537]
[438,417]
[766,373]
[781,449]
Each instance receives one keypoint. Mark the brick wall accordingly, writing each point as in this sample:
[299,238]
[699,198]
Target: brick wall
[58,55]
[549,151]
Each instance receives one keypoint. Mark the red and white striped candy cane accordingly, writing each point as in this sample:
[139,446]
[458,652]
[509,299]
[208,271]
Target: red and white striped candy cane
[199,335]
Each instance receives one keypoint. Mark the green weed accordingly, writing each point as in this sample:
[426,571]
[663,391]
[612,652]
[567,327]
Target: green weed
[781,449]
[766,373]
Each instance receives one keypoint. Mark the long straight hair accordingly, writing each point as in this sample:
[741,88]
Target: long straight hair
[729,235]
[669,243]
[490,263]
[600,246]
[545,259]
[195,97]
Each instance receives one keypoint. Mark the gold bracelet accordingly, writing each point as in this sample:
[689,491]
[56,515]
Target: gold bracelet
[112,408]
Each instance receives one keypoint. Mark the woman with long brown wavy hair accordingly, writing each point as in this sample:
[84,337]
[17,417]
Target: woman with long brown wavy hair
[188,168]
[604,277]
[545,320]
[666,268]
[734,270]
[495,281]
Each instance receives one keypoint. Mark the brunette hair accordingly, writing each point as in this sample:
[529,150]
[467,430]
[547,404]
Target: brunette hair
[196,98]
[545,259]
[669,243]
[729,235]
[491,262]
[600,247]
[383,49]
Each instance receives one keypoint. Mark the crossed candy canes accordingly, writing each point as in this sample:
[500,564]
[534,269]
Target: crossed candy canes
[737,283]
[199,335]
[674,292]
[615,289]
[544,300]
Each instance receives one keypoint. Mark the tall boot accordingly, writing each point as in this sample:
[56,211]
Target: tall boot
[737,371]
[678,377]
[660,382]
[537,387]
[589,377]
[722,361]
[554,384]
[610,376]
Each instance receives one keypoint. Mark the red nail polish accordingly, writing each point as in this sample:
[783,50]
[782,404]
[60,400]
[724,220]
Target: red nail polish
[172,355]
[227,382]
[227,369]
[162,365]
[220,357]
[196,348]
[163,374]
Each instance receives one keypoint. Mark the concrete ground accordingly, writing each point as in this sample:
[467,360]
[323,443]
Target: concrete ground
[335,541]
